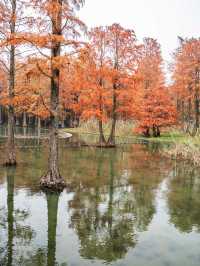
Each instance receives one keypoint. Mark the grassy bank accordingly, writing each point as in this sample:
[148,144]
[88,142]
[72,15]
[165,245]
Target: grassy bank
[182,146]
[124,131]
[187,149]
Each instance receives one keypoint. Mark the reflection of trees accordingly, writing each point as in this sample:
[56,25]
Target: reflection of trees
[147,170]
[14,229]
[143,206]
[52,205]
[42,256]
[183,198]
[10,221]
[107,217]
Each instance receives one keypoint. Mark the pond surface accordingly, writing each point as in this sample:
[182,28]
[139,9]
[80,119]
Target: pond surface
[124,207]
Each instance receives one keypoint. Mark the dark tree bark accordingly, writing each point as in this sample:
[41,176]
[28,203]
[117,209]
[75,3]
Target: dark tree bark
[53,180]
[147,133]
[11,154]
[154,131]
[158,131]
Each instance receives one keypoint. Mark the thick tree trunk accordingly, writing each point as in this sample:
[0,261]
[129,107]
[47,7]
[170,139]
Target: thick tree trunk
[111,139]
[53,180]
[11,154]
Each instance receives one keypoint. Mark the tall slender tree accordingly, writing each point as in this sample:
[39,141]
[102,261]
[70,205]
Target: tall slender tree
[57,27]
[8,19]
[186,86]
[155,108]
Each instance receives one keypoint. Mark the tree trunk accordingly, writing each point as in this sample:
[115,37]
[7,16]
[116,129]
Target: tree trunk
[154,131]
[196,100]
[24,120]
[196,111]
[38,130]
[102,140]
[53,180]
[111,139]
[158,131]
[1,119]
[11,155]
[147,133]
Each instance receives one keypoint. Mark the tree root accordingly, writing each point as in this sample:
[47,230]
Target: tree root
[10,162]
[52,182]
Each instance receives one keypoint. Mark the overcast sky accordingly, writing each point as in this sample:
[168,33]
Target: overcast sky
[160,19]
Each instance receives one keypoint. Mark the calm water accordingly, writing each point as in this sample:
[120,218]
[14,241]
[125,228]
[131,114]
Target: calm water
[127,206]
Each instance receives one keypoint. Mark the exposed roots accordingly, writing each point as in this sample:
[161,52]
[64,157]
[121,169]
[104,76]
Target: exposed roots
[52,182]
[10,161]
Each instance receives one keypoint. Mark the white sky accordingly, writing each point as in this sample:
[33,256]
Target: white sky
[160,19]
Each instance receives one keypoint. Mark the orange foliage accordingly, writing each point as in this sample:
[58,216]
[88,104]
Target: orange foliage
[155,108]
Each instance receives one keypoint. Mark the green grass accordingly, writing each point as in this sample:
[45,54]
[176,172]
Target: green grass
[187,149]
[178,144]
[124,130]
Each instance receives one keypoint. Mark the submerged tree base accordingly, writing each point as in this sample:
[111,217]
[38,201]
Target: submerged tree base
[99,145]
[52,182]
[105,145]
[10,161]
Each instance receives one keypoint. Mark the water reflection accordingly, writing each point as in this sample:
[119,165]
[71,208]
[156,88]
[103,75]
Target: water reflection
[183,198]
[10,219]
[16,231]
[127,206]
[52,206]
[101,217]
